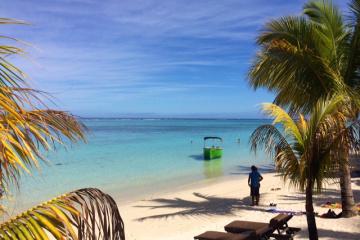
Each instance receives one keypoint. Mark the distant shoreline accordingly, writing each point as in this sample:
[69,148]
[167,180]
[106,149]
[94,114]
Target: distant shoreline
[168,118]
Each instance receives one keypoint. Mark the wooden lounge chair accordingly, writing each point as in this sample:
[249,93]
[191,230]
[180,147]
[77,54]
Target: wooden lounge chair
[262,230]
[280,223]
[213,235]
[265,230]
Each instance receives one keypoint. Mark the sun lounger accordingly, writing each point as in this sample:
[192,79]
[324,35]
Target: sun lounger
[262,230]
[280,223]
[213,235]
[265,230]
[246,230]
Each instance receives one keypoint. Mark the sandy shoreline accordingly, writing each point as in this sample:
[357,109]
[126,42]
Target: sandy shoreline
[184,213]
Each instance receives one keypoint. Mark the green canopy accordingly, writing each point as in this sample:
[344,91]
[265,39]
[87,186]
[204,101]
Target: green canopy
[206,138]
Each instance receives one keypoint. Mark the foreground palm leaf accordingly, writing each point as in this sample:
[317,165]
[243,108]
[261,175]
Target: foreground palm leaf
[21,139]
[83,214]
[27,129]
[27,126]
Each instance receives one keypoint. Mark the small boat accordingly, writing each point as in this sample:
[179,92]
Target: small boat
[215,151]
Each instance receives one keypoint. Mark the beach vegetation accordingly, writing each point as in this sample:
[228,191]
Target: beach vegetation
[308,150]
[312,57]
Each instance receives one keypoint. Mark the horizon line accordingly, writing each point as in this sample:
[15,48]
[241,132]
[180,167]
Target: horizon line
[175,118]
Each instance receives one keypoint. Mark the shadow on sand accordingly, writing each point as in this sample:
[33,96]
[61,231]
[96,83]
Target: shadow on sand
[357,182]
[319,199]
[328,234]
[207,206]
[355,173]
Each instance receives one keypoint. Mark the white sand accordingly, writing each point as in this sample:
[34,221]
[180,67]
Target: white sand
[185,213]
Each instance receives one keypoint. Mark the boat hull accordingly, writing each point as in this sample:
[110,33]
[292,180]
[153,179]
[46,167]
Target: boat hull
[212,153]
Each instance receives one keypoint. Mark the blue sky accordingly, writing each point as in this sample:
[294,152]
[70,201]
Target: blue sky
[145,57]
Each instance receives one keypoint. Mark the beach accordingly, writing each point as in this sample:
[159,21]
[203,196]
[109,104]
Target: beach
[184,213]
[163,187]
[164,111]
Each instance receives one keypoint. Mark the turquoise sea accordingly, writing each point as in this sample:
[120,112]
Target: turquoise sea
[128,157]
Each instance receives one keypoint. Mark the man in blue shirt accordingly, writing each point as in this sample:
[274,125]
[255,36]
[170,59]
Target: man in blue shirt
[254,182]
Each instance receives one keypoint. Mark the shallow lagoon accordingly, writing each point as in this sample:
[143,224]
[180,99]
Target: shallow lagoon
[127,157]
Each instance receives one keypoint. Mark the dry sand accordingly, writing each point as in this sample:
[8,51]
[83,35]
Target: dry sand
[184,213]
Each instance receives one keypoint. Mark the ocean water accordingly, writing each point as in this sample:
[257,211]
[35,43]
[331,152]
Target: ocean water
[126,157]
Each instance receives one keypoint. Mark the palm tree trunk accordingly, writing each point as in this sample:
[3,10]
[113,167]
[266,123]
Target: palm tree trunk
[347,197]
[310,215]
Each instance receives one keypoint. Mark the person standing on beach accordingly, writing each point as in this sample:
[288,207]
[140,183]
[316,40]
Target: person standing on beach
[254,183]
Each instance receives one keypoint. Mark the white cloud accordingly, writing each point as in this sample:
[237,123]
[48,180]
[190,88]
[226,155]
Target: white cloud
[134,48]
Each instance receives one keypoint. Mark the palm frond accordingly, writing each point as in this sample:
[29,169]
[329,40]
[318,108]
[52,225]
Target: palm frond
[326,113]
[282,117]
[27,125]
[82,214]
[308,150]
[290,64]
[269,138]
[330,29]
[22,140]
[352,48]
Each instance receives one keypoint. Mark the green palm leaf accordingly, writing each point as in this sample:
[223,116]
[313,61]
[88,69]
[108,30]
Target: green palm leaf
[282,117]
[83,214]
[27,125]
[308,59]
[307,149]
[300,59]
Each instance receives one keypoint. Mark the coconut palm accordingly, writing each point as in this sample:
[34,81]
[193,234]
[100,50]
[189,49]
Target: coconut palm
[311,57]
[306,151]
[28,128]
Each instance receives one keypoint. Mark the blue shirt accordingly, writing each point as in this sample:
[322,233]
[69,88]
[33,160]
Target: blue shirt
[255,179]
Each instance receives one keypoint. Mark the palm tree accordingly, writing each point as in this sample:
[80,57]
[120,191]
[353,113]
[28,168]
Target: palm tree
[311,57]
[27,129]
[305,152]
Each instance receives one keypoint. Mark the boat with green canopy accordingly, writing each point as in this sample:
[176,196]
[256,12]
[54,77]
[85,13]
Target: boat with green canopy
[215,151]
